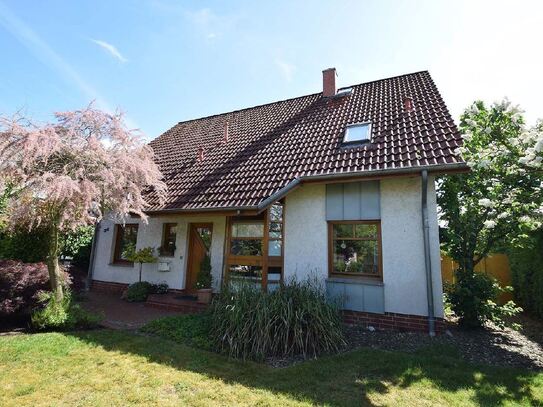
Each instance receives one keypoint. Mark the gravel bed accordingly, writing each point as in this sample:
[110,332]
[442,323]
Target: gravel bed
[490,346]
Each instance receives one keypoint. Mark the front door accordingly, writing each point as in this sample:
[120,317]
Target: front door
[199,246]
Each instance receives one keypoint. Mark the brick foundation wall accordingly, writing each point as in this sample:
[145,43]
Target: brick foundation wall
[392,321]
[108,287]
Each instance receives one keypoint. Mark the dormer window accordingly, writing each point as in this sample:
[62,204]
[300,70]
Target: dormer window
[358,133]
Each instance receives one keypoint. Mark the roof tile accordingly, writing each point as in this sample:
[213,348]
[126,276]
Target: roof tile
[271,145]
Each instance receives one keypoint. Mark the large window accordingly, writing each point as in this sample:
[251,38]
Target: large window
[255,247]
[125,239]
[247,238]
[355,248]
[169,236]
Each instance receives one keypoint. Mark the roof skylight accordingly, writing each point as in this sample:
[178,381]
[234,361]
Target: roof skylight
[357,133]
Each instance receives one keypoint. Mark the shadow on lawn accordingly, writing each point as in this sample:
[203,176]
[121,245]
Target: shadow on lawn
[346,379]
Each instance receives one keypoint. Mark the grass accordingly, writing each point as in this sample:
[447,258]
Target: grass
[120,368]
[192,330]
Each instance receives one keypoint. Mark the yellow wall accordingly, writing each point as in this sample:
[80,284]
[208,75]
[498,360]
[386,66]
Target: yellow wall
[495,265]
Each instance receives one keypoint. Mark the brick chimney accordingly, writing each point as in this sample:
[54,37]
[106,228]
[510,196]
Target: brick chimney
[201,154]
[329,82]
[408,104]
[226,132]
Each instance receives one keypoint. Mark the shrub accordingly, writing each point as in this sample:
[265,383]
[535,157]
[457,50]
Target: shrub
[473,300]
[204,278]
[62,315]
[193,330]
[527,273]
[294,319]
[20,284]
[160,288]
[77,245]
[139,291]
[25,246]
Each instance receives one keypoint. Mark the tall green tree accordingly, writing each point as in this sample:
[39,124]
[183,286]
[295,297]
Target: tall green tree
[499,199]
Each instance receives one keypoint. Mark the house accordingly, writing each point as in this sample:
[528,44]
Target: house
[338,184]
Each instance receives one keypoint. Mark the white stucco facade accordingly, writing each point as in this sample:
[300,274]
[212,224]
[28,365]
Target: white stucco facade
[404,274]
[150,235]
[306,233]
[306,245]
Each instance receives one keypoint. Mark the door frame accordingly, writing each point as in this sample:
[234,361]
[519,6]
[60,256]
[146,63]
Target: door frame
[190,227]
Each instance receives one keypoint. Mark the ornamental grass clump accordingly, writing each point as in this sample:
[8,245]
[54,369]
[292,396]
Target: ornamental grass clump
[295,319]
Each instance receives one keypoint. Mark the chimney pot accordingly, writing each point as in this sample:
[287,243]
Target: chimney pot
[329,82]
[408,104]
[201,154]
[226,132]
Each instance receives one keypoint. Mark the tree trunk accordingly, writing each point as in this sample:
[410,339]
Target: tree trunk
[55,277]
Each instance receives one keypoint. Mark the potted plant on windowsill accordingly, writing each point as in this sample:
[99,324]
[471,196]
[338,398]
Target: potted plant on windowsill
[204,280]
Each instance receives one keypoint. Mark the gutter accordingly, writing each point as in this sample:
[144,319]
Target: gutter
[306,178]
[358,174]
[90,272]
[427,259]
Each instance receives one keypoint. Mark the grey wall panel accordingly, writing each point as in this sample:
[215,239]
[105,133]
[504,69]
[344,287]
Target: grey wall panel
[374,299]
[370,200]
[353,201]
[357,295]
[334,201]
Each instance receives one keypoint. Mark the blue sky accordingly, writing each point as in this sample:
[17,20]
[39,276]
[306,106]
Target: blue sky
[166,61]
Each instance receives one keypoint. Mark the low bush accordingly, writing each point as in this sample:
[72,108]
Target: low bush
[25,246]
[292,320]
[473,299]
[193,330]
[77,245]
[160,288]
[20,285]
[62,315]
[527,273]
[139,291]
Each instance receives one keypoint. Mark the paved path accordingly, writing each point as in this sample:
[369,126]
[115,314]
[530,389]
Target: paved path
[120,314]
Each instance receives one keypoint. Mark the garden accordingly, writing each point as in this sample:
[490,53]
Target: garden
[285,347]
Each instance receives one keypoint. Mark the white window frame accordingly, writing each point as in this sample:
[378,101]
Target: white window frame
[361,141]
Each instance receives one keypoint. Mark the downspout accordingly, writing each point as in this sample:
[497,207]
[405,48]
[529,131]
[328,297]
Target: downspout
[427,259]
[88,283]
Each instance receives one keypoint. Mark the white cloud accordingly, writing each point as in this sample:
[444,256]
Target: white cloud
[209,24]
[113,51]
[48,56]
[287,70]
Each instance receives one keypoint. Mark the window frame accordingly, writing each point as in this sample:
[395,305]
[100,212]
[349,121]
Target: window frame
[264,261]
[117,260]
[162,252]
[356,142]
[331,272]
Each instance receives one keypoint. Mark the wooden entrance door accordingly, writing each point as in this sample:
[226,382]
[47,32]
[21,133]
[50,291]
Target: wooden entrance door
[199,246]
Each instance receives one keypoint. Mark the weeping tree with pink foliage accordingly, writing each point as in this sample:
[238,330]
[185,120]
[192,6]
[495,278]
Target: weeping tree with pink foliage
[70,173]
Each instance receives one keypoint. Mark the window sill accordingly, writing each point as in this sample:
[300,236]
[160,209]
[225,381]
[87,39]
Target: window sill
[121,264]
[355,280]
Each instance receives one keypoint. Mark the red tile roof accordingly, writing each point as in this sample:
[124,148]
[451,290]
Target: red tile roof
[272,145]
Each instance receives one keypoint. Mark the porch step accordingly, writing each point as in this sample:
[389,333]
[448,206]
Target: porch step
[171,302]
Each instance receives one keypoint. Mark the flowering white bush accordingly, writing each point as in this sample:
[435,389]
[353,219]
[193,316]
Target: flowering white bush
[498,200]
[492,205]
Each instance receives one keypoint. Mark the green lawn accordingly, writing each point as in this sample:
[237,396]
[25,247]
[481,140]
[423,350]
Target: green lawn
[119,368]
